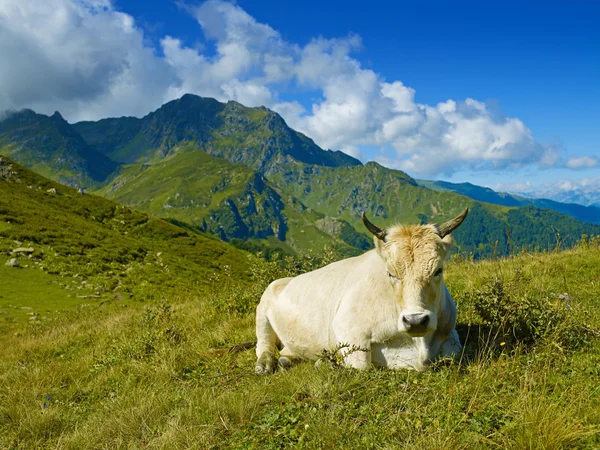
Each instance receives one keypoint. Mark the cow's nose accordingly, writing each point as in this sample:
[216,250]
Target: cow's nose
[416,323]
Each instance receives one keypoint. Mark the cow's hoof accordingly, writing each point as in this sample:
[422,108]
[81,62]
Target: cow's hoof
[285,363]
[265,364]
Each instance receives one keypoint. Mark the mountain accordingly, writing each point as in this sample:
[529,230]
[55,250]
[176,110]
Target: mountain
[391,196]
[256,137]
[589,214]
[242,174]
[586,195]
[50,146]
[229,200]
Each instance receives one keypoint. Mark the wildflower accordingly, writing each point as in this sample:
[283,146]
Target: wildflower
[502,344]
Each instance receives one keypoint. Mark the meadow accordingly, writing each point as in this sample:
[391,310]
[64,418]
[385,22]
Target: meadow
[177,370]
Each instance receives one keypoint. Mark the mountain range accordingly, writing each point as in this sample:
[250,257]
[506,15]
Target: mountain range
[589,213]
[242,174]
[587,193]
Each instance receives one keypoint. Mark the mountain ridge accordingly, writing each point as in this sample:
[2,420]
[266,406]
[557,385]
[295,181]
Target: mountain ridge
[213,126]
[242,173]
[51,146]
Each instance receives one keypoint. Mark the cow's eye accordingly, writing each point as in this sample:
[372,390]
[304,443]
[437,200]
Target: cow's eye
[392,277]
[438,272]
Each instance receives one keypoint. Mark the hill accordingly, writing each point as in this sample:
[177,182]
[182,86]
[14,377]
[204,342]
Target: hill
[589,214]
[74,248]
[391,196]
[229,200]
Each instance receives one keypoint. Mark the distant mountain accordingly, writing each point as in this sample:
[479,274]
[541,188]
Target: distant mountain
[589,214]
[50,146]
[242,174]
[588,195]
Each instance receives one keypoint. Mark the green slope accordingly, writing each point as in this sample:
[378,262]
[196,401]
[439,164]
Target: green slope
[391,196]
[86,245]
[229,200]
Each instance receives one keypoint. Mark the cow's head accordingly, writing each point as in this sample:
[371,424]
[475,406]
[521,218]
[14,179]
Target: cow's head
[414,256]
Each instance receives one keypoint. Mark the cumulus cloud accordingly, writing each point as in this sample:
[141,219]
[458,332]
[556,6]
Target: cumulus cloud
[88,60]
[82,57]
[582,162]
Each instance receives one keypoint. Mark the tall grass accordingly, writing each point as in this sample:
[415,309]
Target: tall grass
[168,374]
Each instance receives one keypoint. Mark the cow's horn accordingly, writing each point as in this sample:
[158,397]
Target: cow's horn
[448,227]
[374,229]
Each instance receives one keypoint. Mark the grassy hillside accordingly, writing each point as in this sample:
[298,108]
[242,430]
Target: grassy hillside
[391,196]
[589,214]
[89,249]
[229,200]
[174,375]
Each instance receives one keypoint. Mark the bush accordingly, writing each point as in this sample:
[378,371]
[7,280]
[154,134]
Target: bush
[518,314]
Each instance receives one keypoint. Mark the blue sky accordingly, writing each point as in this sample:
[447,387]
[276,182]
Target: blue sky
[530,68]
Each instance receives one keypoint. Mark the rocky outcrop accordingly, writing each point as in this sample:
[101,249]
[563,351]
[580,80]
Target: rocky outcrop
[13,262]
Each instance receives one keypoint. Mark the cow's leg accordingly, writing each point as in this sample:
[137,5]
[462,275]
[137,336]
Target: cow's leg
[358,352]
[287,358]
[358,357]
[451,347]
[266,342]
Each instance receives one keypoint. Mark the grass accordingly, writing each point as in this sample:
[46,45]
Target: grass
[29,294]
[164,375]
[90,250]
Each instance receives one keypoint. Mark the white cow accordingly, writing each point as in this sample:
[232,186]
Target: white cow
[390,301]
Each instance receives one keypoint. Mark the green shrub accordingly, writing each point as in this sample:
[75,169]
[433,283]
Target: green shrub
[518,314]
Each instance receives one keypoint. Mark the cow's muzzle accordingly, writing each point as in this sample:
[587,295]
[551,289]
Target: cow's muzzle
[416,324]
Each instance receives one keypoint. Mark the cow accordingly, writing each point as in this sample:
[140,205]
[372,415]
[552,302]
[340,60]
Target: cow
[388,307]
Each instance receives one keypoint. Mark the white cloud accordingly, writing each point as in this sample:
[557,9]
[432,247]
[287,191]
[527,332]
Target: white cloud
[583,162]
[512,187]
[83,58]
[88,60]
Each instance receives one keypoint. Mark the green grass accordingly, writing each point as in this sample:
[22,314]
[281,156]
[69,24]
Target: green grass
[163,376]
[90,250]
[32,294]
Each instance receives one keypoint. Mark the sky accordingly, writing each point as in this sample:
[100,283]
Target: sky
[500,94]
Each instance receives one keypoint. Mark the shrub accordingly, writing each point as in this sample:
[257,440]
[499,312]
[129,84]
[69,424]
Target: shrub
[517,313]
